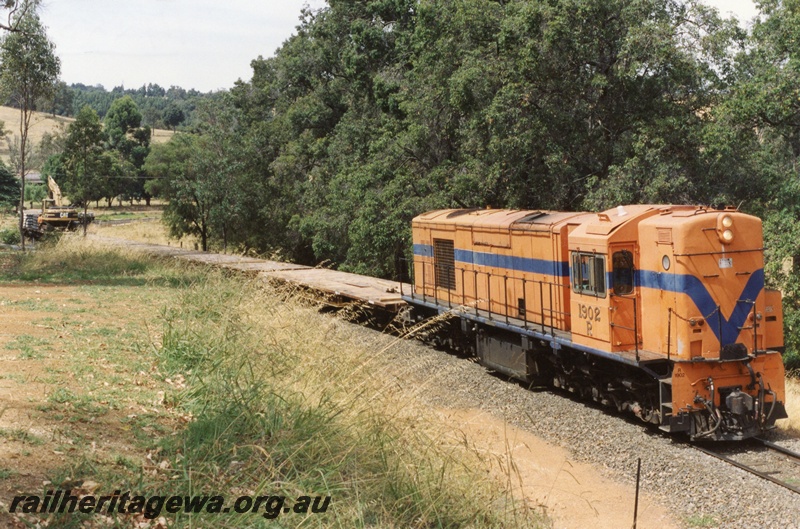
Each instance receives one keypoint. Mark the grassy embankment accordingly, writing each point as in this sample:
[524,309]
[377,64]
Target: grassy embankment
[215,386]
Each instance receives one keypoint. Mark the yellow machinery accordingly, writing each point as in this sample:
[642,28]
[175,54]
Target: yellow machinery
[55,214]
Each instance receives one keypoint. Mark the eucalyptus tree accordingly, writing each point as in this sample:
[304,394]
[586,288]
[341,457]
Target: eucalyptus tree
[200,173]
[29,70]
[173,116]
[87,166]
[177,177]
[131,141]
[14,11]
[763,113]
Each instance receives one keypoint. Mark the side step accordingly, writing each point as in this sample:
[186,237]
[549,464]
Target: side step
[665,403]
[669,421]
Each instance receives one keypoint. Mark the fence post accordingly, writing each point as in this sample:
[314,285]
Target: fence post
[636,499]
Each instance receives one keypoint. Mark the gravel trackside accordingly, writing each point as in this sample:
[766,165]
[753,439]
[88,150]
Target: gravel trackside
[699,490]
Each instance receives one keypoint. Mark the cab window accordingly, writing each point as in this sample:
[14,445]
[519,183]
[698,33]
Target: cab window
[623,272]
[589,274]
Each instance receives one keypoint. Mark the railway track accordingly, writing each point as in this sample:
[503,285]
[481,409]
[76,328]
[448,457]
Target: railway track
[763,459]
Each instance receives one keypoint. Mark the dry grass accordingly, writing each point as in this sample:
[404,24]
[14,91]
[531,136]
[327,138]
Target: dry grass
[152,231]
[340,411]
[161,136]
[8,221]
[40,124]
[792,424]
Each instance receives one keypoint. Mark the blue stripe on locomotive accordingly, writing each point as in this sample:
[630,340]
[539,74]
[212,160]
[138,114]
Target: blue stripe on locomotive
[679,283]
[704,301]
[508,262]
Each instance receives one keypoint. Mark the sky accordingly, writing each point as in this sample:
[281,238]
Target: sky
[744,10]
[201,44]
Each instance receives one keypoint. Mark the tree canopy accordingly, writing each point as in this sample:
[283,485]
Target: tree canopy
[377,111]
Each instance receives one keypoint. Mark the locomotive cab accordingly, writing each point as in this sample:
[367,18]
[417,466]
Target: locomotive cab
[606,305]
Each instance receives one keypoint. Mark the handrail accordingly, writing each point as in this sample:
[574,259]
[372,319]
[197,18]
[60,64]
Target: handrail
[721,252]
[546,309]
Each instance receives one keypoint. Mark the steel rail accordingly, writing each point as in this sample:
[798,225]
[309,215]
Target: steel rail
[748,469]
[779,448]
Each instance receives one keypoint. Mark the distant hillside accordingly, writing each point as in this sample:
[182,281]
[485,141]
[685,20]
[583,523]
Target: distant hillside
[42,123]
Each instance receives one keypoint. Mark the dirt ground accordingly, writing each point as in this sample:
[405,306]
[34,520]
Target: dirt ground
[71,387]
[21,389]
[574,495]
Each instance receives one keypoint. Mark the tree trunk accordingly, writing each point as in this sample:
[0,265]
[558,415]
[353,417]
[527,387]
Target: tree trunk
[23,140]
[22,211]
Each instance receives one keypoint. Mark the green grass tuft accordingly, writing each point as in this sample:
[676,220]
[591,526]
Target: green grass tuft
[9,236]
[73,259]
[257,426]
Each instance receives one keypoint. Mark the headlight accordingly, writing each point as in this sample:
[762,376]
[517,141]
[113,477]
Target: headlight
[727,235]
[727,221]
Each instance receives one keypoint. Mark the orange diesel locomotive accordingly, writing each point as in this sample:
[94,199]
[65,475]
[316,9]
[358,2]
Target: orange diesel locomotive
[658,310]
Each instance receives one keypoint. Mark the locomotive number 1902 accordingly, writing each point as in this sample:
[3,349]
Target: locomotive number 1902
[590,314]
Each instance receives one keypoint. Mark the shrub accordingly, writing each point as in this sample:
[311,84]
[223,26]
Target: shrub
[9,236]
